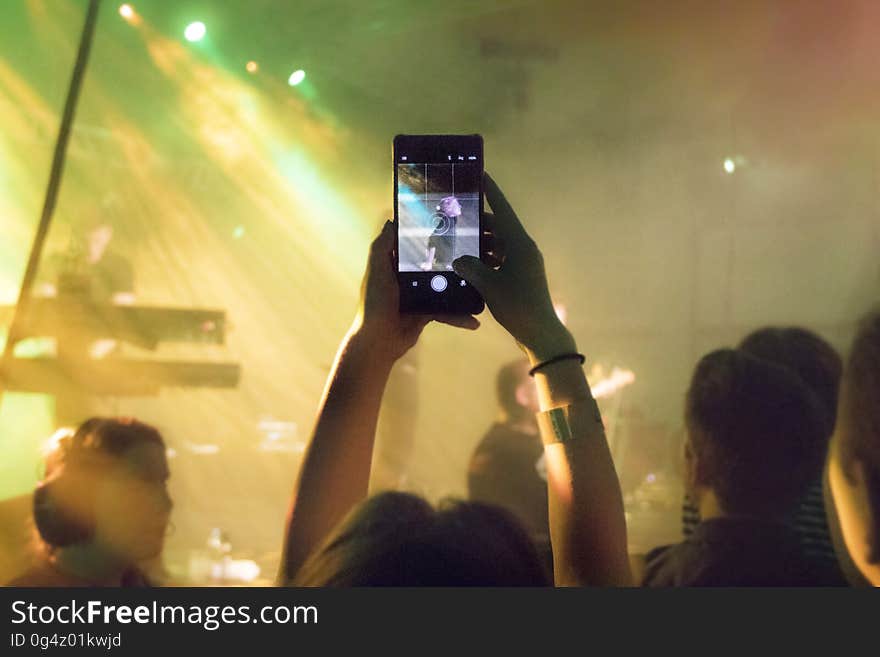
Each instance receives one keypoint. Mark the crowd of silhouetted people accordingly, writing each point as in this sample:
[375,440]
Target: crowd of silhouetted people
[781,463]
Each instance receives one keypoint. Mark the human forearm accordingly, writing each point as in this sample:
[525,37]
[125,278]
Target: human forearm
[335,472]
[587,524]
[560,383]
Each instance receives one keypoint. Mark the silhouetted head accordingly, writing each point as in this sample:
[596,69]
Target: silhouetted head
[516,391]
[806,354]
[755,434]
[399,539]
[107,487]
[854,456]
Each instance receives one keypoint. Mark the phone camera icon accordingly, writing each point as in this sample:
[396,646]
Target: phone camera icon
[439,283]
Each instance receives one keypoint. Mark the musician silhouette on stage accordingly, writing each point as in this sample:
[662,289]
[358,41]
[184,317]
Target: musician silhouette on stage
[441,243]
[90,266]
[88,277]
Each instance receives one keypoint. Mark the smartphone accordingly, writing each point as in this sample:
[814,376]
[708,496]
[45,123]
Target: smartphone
[438,211]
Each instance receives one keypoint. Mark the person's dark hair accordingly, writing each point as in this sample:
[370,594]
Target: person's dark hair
[860,411]
[399,539]
[807,355]
[757,430]
[509,378]
[64,502]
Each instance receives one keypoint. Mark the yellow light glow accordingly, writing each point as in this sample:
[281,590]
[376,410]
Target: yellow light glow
[273,156]
[607,386]
[53,442]
[129,14]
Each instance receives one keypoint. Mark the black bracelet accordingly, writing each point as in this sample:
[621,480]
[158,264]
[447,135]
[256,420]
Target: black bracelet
[556,359]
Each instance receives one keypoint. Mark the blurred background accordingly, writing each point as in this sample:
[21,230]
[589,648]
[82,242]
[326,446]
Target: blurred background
[692,171]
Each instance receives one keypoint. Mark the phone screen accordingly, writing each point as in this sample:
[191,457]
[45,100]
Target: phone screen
[438,205]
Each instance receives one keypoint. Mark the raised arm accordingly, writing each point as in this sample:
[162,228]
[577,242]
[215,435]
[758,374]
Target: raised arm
[335,472]
[587,524]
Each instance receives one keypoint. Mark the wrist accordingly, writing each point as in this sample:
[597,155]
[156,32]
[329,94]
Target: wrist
[549,342]
[369,343]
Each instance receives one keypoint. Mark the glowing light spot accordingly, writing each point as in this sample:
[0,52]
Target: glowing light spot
[126,11]
[729,165]
[608,386]
[195,31]
[296,77]
[252,67]
[238,233]
[54,442]
[561,312]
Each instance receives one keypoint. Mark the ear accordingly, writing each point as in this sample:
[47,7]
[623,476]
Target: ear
[522,395]
[695,469]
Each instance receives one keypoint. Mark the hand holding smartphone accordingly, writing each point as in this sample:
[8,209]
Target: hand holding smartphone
[438,209]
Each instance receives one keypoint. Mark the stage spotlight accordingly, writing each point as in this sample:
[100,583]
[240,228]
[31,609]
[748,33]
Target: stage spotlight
[195,31]
[252,67]
[126,11]
[729,165]
[296,77]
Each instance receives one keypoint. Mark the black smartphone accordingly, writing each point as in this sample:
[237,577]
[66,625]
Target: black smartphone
[438,214]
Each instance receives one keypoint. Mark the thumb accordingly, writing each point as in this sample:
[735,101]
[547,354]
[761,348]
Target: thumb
[475,272]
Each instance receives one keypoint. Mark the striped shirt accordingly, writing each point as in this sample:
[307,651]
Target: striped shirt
[808,521]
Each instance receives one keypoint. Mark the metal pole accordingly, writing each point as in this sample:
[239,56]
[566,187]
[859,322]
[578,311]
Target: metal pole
[76,80]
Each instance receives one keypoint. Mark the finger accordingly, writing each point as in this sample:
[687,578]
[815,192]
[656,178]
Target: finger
[506,223]
[382,246]
[487,232]
[493,260]
[476,273]
[468,322]
[488,229]
[493,245]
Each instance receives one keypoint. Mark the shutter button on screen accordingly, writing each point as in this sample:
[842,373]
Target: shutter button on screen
[438,283]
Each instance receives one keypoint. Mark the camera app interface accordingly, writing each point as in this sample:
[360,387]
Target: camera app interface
[438,211]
